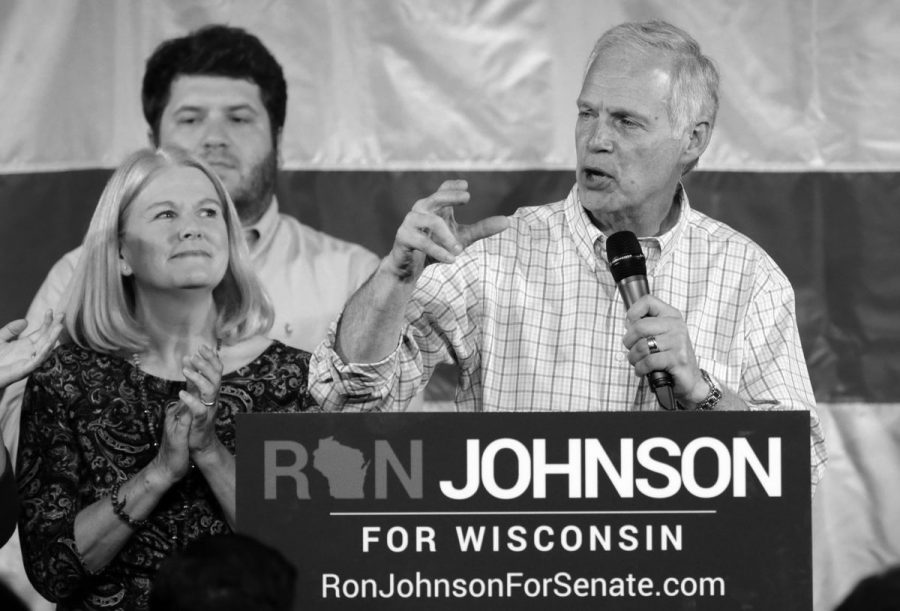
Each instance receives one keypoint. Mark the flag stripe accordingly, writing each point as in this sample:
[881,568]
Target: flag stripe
[465,85]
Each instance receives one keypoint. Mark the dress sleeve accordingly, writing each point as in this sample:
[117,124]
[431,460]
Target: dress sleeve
[49,295]
[47,474]
[8,501]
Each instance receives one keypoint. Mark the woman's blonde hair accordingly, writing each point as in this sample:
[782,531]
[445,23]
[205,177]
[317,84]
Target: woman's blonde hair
[100,310]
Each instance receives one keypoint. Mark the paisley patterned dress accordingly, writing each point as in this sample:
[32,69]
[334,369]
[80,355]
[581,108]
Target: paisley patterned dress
[8,507]
[85,427]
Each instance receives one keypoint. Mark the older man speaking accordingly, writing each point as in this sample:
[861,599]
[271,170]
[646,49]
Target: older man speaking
[527,307]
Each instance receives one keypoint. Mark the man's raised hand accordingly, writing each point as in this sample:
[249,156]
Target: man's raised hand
[430,233]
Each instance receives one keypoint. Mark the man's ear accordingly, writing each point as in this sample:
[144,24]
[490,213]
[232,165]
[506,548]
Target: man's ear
[697,141]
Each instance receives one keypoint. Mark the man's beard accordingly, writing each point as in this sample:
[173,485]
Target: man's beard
[253,195]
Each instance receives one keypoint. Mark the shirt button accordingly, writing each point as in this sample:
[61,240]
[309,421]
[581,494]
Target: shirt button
[622,357]
[288,329]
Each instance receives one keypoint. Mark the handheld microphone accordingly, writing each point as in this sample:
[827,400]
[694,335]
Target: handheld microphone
[629,270]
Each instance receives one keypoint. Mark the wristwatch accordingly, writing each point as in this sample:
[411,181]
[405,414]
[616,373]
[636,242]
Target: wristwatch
[712,397]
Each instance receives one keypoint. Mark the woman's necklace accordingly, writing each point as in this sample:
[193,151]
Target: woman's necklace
[145,404]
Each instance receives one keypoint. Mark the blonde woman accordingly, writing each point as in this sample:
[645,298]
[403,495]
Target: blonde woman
[127,436]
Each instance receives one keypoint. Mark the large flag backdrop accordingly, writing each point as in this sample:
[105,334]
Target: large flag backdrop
[388,98]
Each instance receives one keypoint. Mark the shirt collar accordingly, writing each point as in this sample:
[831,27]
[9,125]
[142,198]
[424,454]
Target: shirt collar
[583,230]
[588,238]
[262,231]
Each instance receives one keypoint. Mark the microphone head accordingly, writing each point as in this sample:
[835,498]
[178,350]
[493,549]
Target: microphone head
[625,256]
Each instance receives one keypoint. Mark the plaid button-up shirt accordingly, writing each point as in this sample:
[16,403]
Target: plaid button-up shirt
[533,320]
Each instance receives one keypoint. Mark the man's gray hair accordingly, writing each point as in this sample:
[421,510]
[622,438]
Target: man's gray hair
[695,82]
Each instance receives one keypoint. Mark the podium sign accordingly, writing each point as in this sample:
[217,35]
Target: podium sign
[533,511]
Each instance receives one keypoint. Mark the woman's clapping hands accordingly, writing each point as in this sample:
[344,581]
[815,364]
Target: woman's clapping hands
[189,428]
[203,372]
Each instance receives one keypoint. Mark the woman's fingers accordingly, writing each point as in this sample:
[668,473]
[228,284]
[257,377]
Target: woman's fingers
[205,389]
[197,411]
[204,372]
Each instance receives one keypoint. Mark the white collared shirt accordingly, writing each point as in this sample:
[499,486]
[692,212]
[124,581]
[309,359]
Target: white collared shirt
[308,275]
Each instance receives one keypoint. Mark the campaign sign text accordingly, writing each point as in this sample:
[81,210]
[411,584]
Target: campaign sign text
[641,511]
